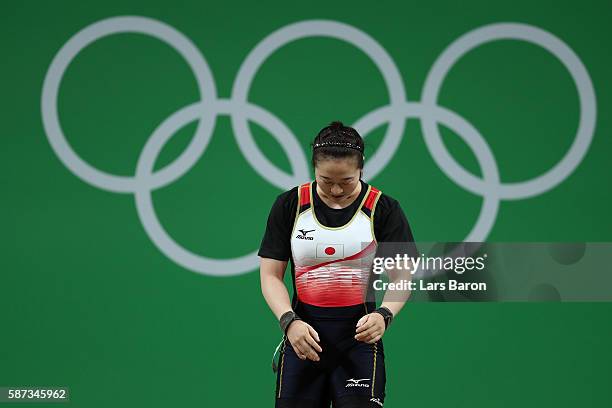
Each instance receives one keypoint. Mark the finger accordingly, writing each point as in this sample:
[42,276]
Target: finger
[362,320]
[373,321]
[367,334]
[375,339]
[309,352]
[314,344]
[298,350]
[313,333]
[305,346]
[370,323]
[313,356]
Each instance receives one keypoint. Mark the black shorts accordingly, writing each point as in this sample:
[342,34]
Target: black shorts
[350,373]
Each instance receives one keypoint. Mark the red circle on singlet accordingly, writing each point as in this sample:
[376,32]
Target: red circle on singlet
[330,251]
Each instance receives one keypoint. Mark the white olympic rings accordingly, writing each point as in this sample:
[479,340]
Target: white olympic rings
[240,110]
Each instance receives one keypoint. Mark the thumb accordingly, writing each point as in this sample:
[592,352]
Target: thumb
[362,320]
[313,333]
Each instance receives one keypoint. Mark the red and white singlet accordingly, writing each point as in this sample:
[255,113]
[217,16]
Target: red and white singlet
[332,265]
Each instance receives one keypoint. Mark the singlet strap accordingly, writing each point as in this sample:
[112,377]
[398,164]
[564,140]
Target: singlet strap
[370,201]
[304,197]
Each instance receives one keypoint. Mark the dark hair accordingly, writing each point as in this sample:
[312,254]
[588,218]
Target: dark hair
[337,141]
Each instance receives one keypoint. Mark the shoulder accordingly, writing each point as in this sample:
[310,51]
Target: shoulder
[385,204]
[285,203]
[287,196]
[390,221]
[388,212]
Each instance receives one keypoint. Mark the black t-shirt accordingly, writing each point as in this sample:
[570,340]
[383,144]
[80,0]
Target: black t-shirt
[390,223]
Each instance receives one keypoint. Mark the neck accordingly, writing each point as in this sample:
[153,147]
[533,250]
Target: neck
[339,203]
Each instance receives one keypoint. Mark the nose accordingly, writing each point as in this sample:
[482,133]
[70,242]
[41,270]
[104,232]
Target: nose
[336,190]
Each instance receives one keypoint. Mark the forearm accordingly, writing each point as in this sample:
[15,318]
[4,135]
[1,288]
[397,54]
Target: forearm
[275,292]
[394,305]
[395,300]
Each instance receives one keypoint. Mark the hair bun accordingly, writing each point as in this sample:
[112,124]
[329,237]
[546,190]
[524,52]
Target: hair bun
[338,140]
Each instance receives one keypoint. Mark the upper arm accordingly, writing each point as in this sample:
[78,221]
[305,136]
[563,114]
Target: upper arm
[272,267]
[276,242]
[393,231]
[393,225]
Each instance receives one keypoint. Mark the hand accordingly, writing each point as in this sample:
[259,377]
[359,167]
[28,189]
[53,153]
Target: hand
[370,328]
[303,339]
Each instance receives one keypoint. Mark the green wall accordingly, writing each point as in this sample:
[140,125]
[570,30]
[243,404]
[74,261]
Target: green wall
[89,300]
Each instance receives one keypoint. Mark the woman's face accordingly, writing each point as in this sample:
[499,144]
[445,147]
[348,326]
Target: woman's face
[338,178]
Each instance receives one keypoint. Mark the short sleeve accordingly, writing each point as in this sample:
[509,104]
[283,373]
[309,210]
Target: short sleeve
[276,242]
[391,225]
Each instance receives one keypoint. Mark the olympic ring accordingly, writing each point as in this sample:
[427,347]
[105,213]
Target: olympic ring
[396,112]
[586,94]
